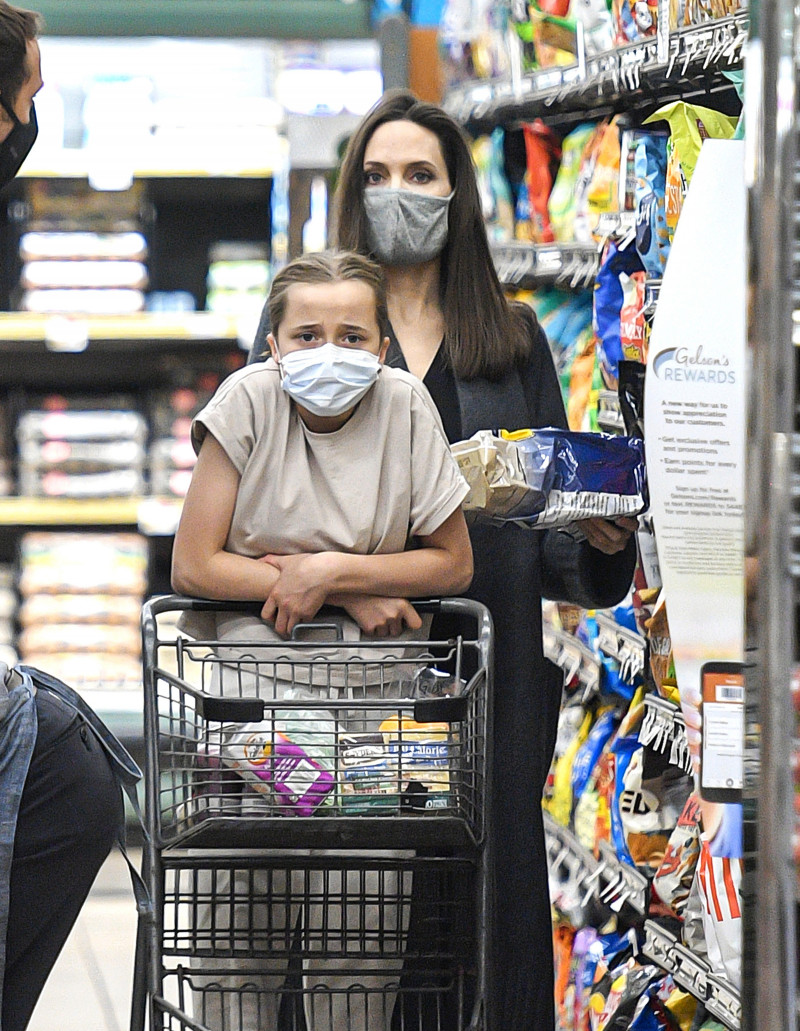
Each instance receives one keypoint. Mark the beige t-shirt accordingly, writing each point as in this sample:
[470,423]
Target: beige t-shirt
[368,488]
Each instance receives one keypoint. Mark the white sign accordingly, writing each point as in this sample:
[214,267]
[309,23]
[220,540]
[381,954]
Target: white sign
[695,423]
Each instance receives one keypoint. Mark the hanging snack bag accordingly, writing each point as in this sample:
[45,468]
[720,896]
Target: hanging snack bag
[608,302]
[719,881]
[602,197]
[543,153]
[587,755]
[689,125]
[652,234]
[633,333]
[598,27]
[581,381]
[673,879]
[563,202]
[560,804]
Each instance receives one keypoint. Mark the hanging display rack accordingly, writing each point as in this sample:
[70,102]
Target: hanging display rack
[693,64]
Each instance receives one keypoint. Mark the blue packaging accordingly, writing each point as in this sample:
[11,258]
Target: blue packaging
[581,476]
[608,302]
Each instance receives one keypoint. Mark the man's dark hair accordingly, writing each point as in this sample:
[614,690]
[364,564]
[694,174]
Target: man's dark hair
[17,28]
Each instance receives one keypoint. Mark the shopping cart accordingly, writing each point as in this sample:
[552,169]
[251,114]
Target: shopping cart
[295,792]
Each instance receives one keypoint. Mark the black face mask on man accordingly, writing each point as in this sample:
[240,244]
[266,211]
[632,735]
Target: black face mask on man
[17,145]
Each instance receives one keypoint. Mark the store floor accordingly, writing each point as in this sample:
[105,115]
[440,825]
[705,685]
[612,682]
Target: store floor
[89,988]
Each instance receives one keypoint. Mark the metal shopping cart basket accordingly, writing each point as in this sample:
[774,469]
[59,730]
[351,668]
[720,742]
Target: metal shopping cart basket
[317,819]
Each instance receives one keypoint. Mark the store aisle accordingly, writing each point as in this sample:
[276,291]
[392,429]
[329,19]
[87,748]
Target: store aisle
[90,986]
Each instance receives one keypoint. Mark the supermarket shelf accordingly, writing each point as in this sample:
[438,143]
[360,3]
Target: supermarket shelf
[574,658]
[65,332]
[693,974]
[152,516]
[697,55]
[527,265]
[627,647]
[664,730]
[606,879]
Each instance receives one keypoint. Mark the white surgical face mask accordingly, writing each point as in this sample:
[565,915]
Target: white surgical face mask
[329,380]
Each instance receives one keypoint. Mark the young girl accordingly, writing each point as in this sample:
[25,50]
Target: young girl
[316,471]
[317,468]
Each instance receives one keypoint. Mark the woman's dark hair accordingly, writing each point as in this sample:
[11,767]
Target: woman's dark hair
[328,267]
[17,28]
[484,335]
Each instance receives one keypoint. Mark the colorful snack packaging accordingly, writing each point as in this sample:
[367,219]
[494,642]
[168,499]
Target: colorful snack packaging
[598,27]
[565,196]
[719,881]
[608,303]
[581,475]
[633,334]
[550,477]
[689,125]
[581,381]
[602,197]
[652,233]
[289,758]
[542,153]
[560,803]
[673,879]
[587,755]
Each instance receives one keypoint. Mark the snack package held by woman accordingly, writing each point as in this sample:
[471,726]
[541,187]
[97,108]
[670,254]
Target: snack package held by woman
[407,195]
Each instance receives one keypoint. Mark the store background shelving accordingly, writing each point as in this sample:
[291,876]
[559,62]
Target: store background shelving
[686,64]
[203,166]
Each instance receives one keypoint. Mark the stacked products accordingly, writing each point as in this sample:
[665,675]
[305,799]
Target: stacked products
[94,265]
[81,600]
[82,448]
[238,279]
[171,455]
[8,607]
[621,781]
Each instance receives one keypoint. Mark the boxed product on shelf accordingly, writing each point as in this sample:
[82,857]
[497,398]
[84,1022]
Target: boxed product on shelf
[81,598]
[91,263]
[171,456]
[76,452]
[8,607]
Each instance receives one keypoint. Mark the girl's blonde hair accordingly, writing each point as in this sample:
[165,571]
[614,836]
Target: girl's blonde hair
[328,267]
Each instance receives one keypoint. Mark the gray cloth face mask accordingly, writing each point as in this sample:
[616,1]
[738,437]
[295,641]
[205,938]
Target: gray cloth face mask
[405,227]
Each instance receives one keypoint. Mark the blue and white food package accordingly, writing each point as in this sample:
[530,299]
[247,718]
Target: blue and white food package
[551,477]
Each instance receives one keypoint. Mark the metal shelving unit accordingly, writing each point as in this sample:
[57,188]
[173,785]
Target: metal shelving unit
[692,63]
[769,997]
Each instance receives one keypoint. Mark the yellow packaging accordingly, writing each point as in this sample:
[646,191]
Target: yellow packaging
[689,125]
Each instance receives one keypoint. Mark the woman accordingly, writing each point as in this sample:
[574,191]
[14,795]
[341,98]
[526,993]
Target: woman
[408,197]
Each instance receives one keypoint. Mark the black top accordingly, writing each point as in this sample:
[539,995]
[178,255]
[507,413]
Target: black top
[440,383]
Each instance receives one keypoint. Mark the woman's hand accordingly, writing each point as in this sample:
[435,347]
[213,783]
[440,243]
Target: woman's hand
[300,591]
[608,535]
[379,617]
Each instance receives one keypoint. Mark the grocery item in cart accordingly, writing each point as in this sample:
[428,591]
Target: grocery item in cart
[403,763]
[288,756]
[551,477]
